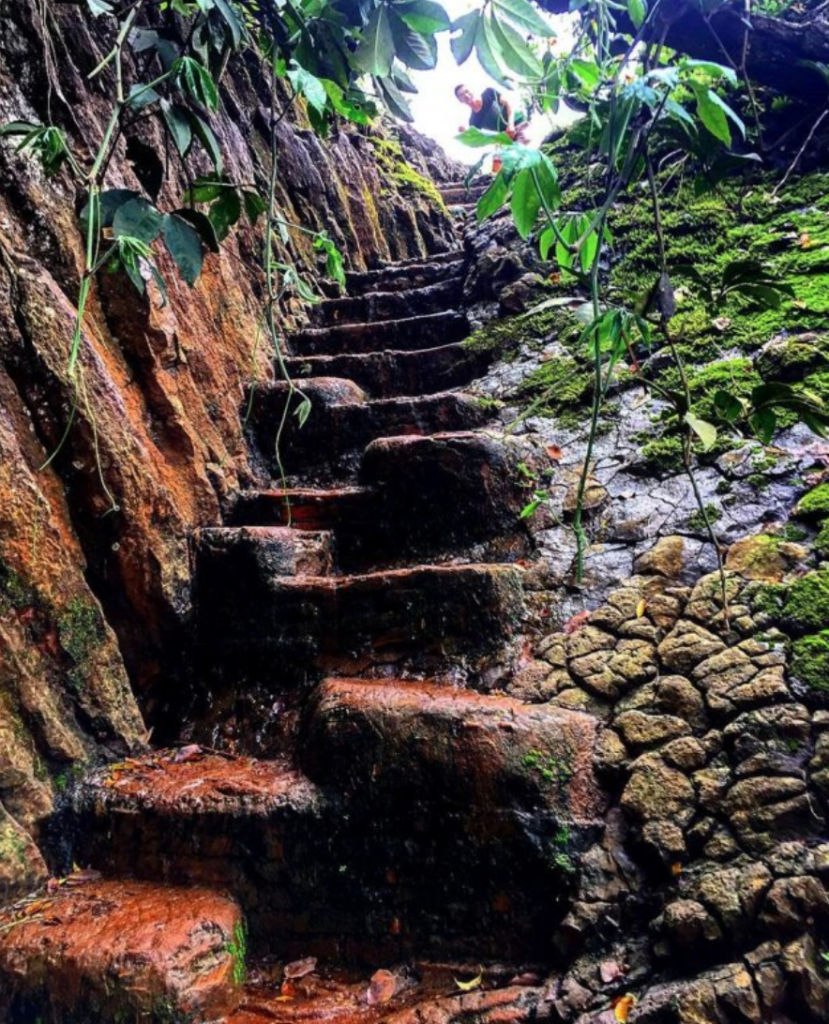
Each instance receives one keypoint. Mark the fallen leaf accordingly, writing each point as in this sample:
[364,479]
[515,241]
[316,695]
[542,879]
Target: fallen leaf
[676,869]
[574,625]
[469,986]
[287,990]
[382,987]
[300,968]
[622,1007]
[805,240]
[192,752]
[554,452]
[640,608]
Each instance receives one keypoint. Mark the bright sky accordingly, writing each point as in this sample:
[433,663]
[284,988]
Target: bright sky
[436,111]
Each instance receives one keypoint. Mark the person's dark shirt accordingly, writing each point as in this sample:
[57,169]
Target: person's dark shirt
[492,115]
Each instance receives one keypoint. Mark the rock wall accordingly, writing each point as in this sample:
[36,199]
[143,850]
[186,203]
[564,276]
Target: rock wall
[94,549]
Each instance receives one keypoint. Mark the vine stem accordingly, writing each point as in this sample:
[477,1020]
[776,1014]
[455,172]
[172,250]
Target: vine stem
[687,444]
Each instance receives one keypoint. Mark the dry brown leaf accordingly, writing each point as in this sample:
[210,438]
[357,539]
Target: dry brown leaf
[640,608]
[554,452]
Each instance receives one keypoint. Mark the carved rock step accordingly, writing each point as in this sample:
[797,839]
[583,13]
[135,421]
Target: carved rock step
[448,256]
[403,276]
[389,373]
[253,552]
[343,420]
[469,792]
[253,827]
[394,305]
[409,333]
[436,611]
[112,950]
[461,194]
[306,509]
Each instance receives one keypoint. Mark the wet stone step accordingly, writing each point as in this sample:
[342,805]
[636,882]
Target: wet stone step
[253,552]
[441,611]
[402,277]
[98,950]
[343,420]
[395,305]
[448,256]
[343,508]
[392,373]
[465,809]
[255,828]
[409,333]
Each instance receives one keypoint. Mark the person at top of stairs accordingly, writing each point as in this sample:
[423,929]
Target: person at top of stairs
[492,111]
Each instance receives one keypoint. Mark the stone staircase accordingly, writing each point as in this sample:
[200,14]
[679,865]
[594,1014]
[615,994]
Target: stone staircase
[369,803]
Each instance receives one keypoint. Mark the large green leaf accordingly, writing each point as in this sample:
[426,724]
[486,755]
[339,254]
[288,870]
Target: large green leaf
[464,44]
[394,99]
[185,247]
[204,133]
[638,11]
[516,54]
[224,212]
[424,16]
[177,120]
[524,16]
[476,138]
[137,219]
[197,81]
[705,431]
[488,49]
[310,87]
[411,47]
[526,202]
[494,197]
[711,114]
[232,20]
[375,53]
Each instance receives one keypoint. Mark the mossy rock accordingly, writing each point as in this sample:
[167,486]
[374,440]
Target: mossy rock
[815,504]
[810,660]
[807,604]
[764,557]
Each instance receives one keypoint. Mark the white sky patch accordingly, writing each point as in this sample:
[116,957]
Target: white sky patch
[438,113]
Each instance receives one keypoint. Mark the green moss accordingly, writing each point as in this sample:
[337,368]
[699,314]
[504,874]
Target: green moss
[696,521]
[810,660]
[391,159]
[807,604]
[815,504]
[504,337]
[12,847]
[14,591]
[793,534]
[554,771]
[80,631]
[238,950]
[822,541]
[768,598]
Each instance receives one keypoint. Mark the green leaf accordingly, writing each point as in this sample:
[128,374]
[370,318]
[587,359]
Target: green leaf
[728,406]
[196,80]
[225,212]
[526,202]
[204,133]
[464,44]
[763,422]
[185,247]
[494,197]
[394,99]
[524,16]
[375,53]
[710,67]
[255,206]
[638,11]
[711,114]
[177,120]
[705,431]
[310,87]
[232,21]
[410,47]
[201,222]
[477,138]
[109,204]
[424,16]
[137,219]
[141,96]
[99,7]
[488,49]
[516,53]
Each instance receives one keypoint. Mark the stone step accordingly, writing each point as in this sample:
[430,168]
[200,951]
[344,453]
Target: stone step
[343,420]
[253,552]
[342,508]
[437,258]
[403,277]
[100,950]
[444,492]
[436,612]
[486,797]
[392,373]
[417,332]
[462,194]
[252,827]
[394,305]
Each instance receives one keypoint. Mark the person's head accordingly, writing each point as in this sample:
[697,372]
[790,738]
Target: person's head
[465,95]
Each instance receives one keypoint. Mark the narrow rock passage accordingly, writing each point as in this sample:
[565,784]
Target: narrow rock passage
[372,805]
